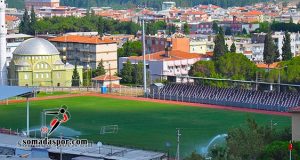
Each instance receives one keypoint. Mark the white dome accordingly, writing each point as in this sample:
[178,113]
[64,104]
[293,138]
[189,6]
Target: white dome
[36,46]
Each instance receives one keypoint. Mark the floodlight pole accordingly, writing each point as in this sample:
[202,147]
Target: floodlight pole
[144,58]
[178,142]
[27,106]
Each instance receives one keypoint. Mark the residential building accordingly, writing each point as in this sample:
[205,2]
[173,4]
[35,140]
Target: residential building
[41,3]
[168,5]
[157,43]
[201,45]
[60,11]
[12,42]
[36,62]
[166,64]
[106,80]
[12,23]
[88,51]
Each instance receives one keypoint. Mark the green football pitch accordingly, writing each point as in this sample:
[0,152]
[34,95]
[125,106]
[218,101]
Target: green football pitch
[145,125]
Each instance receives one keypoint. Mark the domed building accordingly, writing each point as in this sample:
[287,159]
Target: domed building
[36,62]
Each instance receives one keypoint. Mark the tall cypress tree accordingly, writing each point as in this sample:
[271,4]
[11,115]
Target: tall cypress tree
[269,49]
[24,25]
[286,48]
[186,29]
[100,69]
[32,22]
[220,46]
[233,48]
[75,77]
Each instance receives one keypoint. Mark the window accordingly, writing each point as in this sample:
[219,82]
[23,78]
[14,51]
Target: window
[42,75]
[47,75]
[42,65]
[36,75]
[46,66]
[38,66]
[58,75]
[25,76]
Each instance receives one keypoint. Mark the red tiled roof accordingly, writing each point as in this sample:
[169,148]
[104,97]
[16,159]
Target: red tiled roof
[253,13]
[263,65]
[81,39]
[173,55]
[106,78]
[11,18]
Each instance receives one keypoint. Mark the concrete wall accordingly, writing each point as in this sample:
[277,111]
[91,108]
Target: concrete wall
[296,126]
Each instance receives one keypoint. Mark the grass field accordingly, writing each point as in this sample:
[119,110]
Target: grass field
[141,124]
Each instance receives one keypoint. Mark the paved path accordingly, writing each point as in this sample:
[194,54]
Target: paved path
[157,101]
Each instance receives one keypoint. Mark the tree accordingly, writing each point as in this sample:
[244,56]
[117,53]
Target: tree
[32,22]
[186,29]
[215,27]
[126,72]
[100,26]
[244,31]
[269,49]
[228,31]
[203,69]
[131,48]
[25,23]
[99,70]
[248,142]
[220,46]
[75,77]
[195,156]
[138,73]
[233,48]
[286,48]
[236,66]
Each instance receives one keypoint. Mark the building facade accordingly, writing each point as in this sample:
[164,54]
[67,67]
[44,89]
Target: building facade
[41,3]
[88,51]
[36,62]
[166,64]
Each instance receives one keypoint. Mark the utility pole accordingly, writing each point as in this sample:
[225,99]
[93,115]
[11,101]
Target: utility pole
[144,58]
[178,143]
[110,82]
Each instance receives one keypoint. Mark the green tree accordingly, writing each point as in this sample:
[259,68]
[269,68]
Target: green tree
[269,49]
[75,77]
[286,48]
[220,46]
[236,66]
[228,31]
[25,23]
[248,142]
[138,73]
[195,156]
[100,70]
[126,72]
[203,69]
[100,26]
[244,31]
[186,29]
[32,23]
[233,48]
[131,48]
[215,27]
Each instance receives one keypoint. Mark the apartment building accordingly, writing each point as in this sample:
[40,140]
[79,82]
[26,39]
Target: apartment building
[41,3]
[87,51]
[157,43]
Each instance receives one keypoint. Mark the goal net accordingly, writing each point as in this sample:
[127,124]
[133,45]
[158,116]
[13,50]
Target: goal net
[110,129]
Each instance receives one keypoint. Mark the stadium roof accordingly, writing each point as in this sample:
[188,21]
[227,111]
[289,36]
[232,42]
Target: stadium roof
[13,91]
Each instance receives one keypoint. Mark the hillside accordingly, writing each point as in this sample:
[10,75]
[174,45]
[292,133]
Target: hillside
[149,3]
[15,3]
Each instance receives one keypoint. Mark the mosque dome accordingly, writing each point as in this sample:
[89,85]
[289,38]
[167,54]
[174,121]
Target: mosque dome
[36,46]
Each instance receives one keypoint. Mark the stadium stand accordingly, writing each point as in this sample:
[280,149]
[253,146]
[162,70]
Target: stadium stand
[272,101]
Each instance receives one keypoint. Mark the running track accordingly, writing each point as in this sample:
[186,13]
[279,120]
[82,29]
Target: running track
[156,101]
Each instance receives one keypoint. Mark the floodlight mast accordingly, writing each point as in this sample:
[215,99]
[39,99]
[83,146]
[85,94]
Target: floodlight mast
[144,58]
